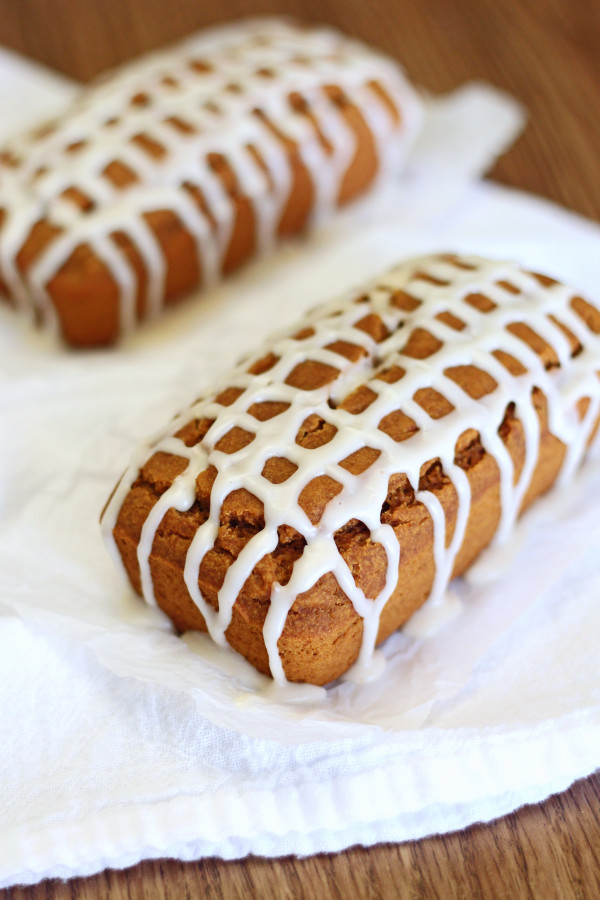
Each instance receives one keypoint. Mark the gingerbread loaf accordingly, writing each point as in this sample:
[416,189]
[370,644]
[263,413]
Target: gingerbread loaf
[177,169]
[305,508]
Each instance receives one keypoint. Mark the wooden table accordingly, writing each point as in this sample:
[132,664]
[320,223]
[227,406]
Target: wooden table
[546,53]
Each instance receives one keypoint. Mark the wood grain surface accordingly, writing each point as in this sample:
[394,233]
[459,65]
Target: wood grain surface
[546,53]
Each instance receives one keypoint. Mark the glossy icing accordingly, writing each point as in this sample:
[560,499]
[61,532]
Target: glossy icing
[435,286]
[164,118]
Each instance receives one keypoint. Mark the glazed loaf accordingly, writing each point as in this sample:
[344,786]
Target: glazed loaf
[178,168]
[306,507]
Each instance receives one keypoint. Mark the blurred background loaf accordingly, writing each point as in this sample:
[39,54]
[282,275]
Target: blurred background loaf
[547,58]
[175,170]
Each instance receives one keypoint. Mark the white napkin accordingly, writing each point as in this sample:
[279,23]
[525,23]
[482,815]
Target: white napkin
[123,742]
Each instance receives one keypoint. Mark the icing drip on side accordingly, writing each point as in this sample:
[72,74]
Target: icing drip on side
[490,303]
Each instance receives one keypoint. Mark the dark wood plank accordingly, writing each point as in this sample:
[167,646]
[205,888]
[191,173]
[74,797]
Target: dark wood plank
[546,54]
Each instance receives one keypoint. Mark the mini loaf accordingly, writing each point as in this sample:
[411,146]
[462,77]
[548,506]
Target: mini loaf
[306,507]
[180,167]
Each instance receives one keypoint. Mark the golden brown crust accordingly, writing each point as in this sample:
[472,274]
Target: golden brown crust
[84,291]
[323,631]
[85,294]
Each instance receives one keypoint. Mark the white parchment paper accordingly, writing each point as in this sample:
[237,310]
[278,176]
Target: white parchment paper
[144,745]
[70,422]
[72,419]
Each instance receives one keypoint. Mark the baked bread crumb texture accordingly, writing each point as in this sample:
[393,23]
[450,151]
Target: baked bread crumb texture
[178,168]
[309,504]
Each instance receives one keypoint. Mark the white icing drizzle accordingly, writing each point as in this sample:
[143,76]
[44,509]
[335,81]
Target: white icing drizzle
[440,284]
[249,66]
